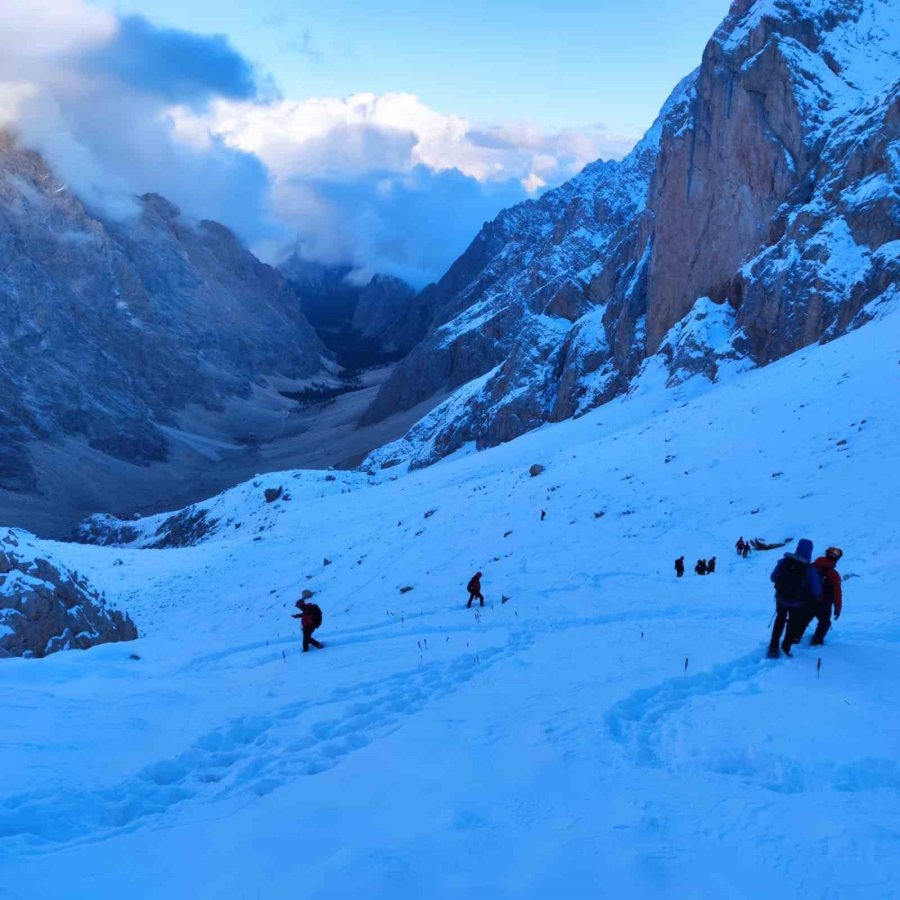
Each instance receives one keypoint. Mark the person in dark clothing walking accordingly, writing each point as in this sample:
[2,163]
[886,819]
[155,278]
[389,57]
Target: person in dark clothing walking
[679,566]
[711,566]
[832,597]
[746,551]
[700,568]
[474,589]
[739,546]
[797,585]
[543,514]
[310,617]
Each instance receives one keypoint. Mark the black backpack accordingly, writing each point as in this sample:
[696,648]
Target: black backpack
[790,578]
[316,614]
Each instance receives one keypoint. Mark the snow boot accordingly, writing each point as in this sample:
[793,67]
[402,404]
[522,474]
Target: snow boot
[786,649]
[816,641]
[774,652]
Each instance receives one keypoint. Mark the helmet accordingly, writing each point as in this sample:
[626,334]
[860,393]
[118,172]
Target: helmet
[834,553]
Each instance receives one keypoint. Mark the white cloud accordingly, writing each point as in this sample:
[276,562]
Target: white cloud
[379,182]
[395,132]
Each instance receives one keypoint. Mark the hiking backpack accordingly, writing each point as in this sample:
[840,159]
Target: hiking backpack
[316,614]
[790,579]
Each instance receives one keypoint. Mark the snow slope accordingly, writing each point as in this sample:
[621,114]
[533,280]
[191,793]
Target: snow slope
[607,731]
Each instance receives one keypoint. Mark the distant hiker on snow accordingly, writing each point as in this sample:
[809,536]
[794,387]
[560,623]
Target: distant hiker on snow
[832,596]
[310,617]
[543,514]
[679,566]
[711,566]
[474,589]
[746,551]
[739,546]
[797,587]
[700,568]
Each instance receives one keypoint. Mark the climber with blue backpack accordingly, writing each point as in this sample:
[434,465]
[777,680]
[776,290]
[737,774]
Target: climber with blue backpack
[798,587]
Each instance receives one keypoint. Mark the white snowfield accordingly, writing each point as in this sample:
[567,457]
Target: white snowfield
[610,731]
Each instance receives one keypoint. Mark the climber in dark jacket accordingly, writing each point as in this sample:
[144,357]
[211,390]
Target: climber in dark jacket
[711,566]
[474,589]
[832,598]
[700,568]
[797,587]
[679,566]
[310,617]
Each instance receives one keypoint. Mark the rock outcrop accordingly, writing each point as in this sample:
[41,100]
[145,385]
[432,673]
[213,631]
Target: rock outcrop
[110,325]
[45,607]
[769,185]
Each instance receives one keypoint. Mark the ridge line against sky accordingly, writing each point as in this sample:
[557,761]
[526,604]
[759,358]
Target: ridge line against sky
[363,136]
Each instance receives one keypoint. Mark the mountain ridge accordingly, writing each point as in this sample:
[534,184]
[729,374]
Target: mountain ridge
[746,180]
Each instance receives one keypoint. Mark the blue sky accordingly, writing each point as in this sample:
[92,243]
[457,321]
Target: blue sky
[563,63]
[379,135]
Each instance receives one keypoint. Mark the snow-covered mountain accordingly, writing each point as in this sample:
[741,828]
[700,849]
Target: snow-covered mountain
[769,186]
[599,726]
[118,332]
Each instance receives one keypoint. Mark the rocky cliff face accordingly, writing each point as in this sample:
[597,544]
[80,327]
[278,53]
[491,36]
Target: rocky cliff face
[110,326]
[363,324]
[769,183]
[45,608]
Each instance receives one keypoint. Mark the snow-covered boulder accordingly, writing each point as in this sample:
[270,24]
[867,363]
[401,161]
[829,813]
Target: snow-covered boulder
[46,607]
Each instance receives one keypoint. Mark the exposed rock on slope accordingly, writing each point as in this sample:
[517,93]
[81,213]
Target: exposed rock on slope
[109,327]
[45,608]
[769,183]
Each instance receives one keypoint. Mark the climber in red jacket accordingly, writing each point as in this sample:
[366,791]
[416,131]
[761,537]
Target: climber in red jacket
[474,589]
[832,594]
[832,598]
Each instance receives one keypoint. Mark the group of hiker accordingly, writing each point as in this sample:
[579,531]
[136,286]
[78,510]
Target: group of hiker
[702,567]
[708,566]
[804,590]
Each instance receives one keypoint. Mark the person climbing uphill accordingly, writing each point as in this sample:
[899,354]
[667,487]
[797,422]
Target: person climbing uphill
[711,566]
[679,566]
[739,546]
[310,617]
[474,589]
[832,596]
[700,568]
[746,551]
[797,585]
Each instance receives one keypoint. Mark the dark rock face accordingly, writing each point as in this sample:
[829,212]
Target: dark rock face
[108,327]
[105,530]
[388,314]
[769,185]
[185,528]
[45,608]
[362,324]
